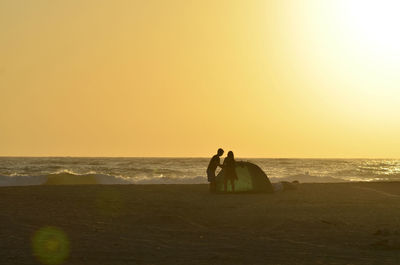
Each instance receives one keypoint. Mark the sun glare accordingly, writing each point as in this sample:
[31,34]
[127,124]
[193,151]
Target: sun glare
[364,39]
[374,22]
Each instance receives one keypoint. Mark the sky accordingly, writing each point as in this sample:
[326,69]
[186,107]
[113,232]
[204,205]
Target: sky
[180,78]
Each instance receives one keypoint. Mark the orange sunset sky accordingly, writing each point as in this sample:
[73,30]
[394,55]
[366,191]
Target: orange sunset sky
[279,78]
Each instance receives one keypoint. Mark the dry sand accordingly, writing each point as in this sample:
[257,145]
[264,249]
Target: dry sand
[352,223]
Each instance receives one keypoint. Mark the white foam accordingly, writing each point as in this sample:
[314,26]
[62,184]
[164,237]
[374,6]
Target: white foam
[105,179]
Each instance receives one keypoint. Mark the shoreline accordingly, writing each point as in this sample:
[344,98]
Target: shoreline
[91,183]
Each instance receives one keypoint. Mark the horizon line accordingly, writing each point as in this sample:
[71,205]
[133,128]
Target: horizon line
[182,157]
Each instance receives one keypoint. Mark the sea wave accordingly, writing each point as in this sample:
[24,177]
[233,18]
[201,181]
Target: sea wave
[306,178]
[67,177]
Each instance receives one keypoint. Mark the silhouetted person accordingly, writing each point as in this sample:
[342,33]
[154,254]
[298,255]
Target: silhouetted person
[212,167]
[230,171]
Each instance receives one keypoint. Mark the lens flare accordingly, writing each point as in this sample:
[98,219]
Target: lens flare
[50,245]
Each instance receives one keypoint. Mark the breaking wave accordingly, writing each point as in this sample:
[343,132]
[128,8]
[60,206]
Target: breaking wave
[70,178]
[306,178]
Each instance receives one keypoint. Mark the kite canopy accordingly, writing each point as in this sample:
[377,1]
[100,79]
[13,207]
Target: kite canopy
[251,178]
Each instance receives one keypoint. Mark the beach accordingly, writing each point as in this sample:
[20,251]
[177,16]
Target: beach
[341,223]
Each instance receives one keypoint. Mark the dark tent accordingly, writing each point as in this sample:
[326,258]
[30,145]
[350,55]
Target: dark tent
[251,178]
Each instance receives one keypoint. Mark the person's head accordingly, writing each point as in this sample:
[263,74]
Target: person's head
[230,154]
[220,152]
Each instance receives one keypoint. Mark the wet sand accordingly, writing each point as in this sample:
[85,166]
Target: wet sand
[343,223]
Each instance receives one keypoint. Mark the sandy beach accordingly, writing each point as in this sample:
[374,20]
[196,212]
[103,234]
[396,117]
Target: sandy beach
[344,223]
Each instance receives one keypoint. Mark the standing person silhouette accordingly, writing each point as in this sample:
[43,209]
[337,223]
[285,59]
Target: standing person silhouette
[230,171]
[212,167]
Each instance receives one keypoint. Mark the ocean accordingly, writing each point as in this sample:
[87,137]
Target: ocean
[23,171]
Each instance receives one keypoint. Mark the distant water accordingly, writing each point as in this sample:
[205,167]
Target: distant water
[21,171]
